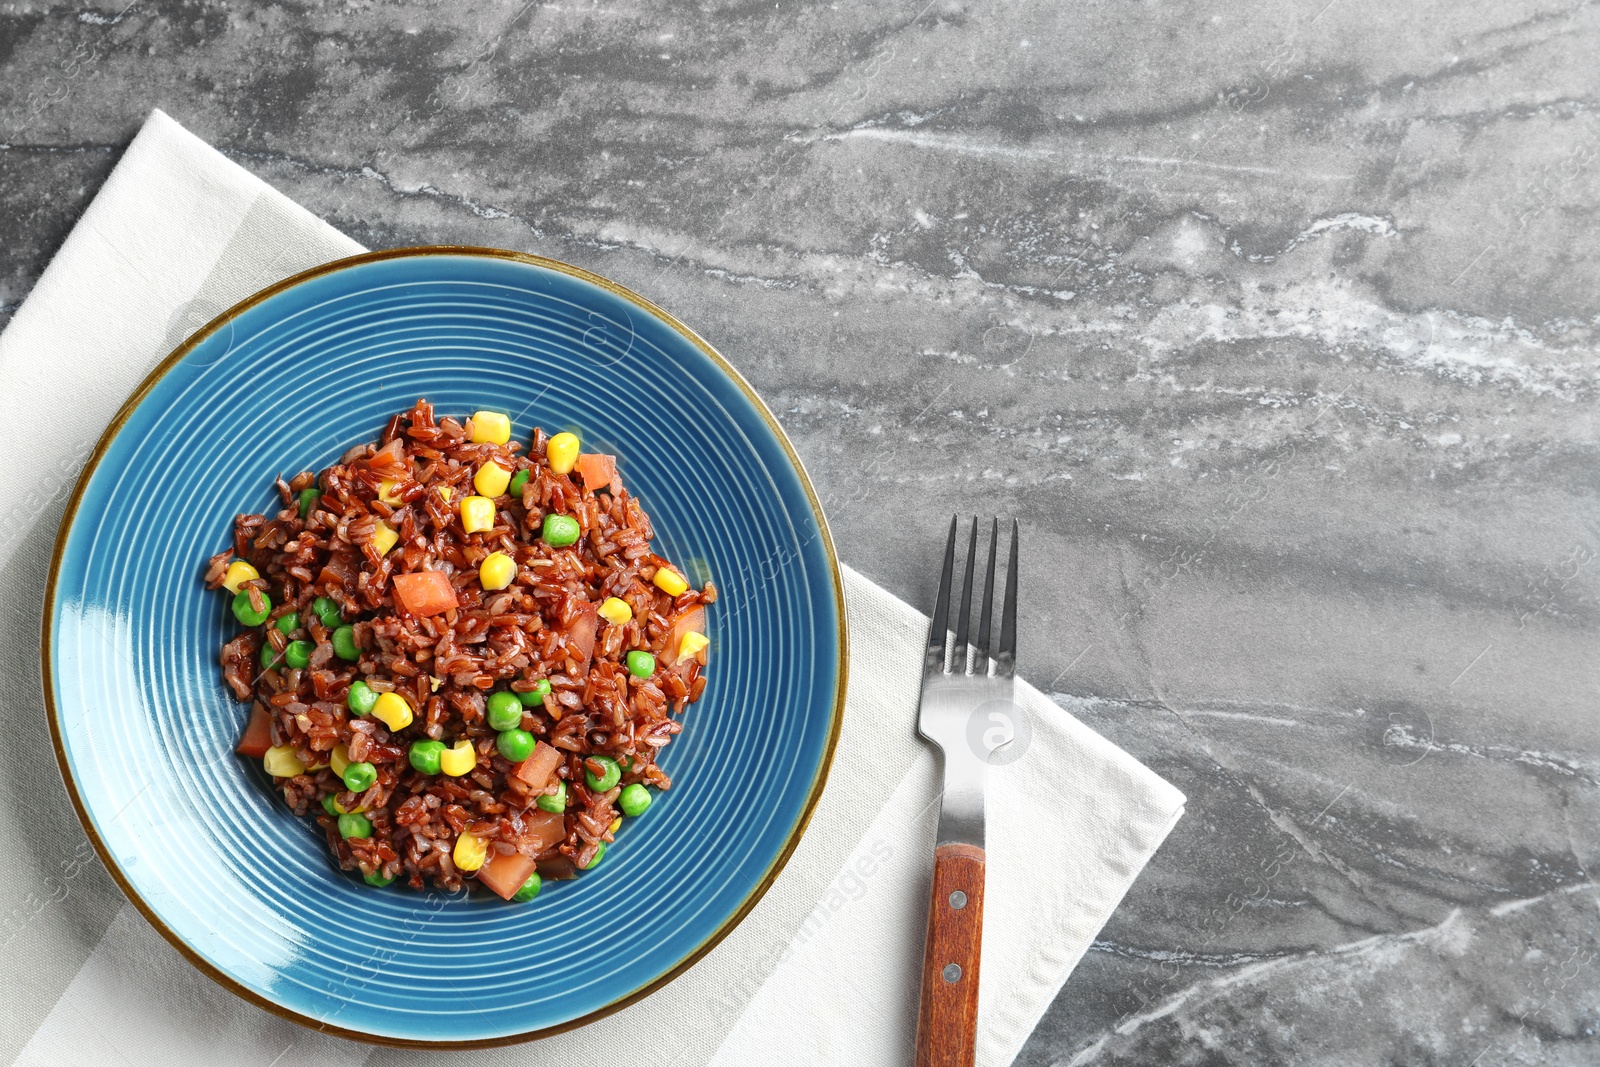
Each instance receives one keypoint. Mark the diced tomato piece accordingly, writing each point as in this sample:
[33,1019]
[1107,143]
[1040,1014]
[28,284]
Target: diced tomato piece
[599,471]
[257,733]
[543,829]
[391,457]
[691,621]
[505,874]
[425,593]
[537,768]
[580,635]
[334,573]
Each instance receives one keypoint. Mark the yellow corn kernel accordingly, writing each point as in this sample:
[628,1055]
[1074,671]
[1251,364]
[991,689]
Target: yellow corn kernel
[491,479]
[392,710]
[562,452]
[237,574]
[435,683]
[446,492]
[691,644]
[614,824]
[339,759]
[384,537]
[281,762]
[497,570]
[458,759]
[386,491]
[670,581]
[477,514]
[342,810]
[615,611]
[470,852]
[489,428]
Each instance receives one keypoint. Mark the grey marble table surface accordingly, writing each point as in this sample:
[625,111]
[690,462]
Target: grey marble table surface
[1275,326]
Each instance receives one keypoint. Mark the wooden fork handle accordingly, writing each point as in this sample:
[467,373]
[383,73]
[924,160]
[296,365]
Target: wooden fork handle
[947,1020]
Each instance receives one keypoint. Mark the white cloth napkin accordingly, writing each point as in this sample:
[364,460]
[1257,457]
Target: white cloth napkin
[823,970]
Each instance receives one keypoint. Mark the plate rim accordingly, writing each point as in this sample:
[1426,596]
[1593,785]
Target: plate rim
[149,382]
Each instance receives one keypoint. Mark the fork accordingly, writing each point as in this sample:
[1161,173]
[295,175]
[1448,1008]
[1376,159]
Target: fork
[960,681]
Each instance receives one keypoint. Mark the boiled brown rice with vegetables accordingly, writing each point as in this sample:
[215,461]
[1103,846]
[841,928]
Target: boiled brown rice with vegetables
[461,655]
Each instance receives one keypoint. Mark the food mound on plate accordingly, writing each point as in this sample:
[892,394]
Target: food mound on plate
[461,655]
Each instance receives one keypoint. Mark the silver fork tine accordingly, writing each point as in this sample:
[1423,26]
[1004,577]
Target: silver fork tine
[939,629]
[1005,660]
[959,664]
[980,651]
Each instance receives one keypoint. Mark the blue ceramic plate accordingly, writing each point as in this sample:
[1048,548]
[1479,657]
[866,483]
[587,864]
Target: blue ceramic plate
[287,381]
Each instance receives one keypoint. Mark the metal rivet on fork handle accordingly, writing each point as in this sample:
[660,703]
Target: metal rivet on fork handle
[958,900]
[952,972]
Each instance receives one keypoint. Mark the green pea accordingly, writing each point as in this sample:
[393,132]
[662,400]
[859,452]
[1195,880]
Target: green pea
[599,854]
[327,805]
[327,609]
[361,699]
[531,887]
[641,664]
[560,530]
[535,699]
[505,711]
[515,745]
[424,755]
[518,480]
[354,825]
[376,880]
[359,777]
[635,800]
[269,656]
[556,802]
[289,623]
[248,615]
[298,654]
[308,500]
[344,643]
[605,781]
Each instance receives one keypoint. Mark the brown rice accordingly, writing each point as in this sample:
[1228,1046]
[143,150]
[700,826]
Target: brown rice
[445,664]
